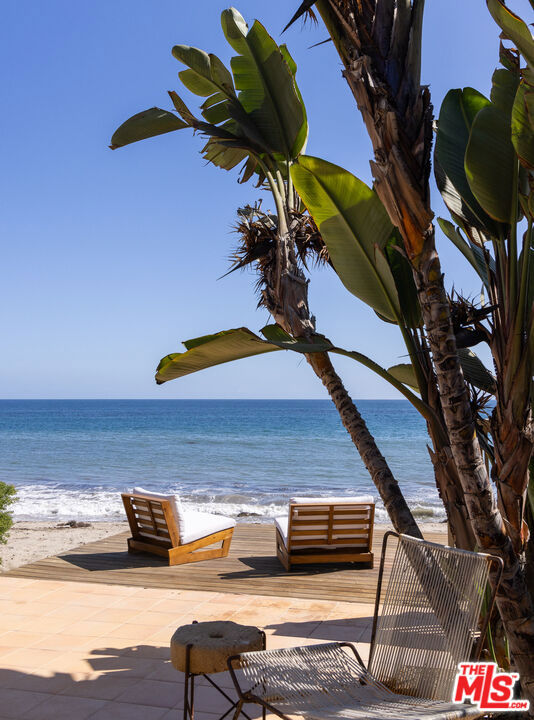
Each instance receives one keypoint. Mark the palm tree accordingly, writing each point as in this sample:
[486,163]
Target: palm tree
[257,117]
[379,43]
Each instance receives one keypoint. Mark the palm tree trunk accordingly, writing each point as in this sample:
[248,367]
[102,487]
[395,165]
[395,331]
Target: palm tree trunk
[379,43]
[388,487]
[286,298]
[514,600]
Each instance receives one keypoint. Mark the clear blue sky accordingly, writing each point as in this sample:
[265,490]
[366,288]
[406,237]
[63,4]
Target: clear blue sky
[110,259]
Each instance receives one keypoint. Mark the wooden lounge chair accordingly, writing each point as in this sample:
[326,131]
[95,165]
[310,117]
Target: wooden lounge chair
[159,525]
[326,530]
[430,622]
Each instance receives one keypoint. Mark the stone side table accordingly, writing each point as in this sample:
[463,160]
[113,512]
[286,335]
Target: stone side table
[203,649]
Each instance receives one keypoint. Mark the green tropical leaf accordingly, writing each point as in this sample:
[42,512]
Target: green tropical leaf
[503,89]
[266,85]
[146,124]
[472,253]
[277,336]
[209,350]
[523,125]
[491,163]
[355,227]
[457,113]
[404,282]
[475,372]
[514,28]
[405,374]
[207,75]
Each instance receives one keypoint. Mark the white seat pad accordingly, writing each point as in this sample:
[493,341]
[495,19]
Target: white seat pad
[333,500]
[197,525]
[281,524]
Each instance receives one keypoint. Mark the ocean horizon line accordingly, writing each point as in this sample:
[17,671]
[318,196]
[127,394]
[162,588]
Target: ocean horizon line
[207,399]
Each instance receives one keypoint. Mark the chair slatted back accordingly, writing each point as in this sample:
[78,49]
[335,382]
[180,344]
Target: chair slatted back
[430,617]
[331,525]
[151,520]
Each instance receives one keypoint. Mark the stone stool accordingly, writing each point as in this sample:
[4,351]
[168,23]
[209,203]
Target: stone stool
[203,648]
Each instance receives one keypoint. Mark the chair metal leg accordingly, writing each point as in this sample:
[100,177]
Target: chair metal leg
[189,687]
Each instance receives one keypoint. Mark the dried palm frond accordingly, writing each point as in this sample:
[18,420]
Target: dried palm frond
[258,238]
[467,320]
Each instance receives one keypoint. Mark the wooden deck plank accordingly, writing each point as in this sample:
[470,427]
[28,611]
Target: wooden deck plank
[250,568]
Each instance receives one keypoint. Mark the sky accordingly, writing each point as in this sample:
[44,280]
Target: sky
[111,258]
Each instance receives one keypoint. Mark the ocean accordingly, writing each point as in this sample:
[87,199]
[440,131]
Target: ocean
[70,459]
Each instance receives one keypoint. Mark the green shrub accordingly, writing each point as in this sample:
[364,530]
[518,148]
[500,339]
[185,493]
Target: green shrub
[7,496]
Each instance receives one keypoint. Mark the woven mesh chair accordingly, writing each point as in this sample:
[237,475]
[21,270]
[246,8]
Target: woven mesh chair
[429,622]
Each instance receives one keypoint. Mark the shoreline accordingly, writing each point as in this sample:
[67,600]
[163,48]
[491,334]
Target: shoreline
[32,540]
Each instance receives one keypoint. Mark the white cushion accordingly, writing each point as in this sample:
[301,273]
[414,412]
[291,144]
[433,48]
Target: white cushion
[281,523]
[199,524]
[331,500]
[176,505]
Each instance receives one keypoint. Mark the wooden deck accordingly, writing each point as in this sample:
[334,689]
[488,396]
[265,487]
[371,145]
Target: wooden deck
[250,568]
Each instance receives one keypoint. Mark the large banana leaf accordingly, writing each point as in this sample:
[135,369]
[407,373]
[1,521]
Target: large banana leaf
[266,85]
[491,163]
[523,125]
[146,124]
[210,350]
[457,113]
[405,374]
[277,336]
[504,84]
[475,372]
[355,227]
[404,282]
[472,253]
[514,28]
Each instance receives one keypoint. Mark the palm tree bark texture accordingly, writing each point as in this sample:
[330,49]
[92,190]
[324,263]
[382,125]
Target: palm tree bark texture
[379,42]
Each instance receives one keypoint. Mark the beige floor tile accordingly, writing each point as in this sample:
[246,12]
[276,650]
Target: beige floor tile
[156,619]
[132,602]
[118,615]
[100,687]
[4,650]
[64,707]
[167,673]
[34,609]
[68,662]
[156,593]
[122,590]
[177,606]
[92,628]
[126,711]
[144,650]
[297,629]
[51,624]
[72,612]
[138,667]
[12,621]
[163,636]
[42,682]
[29,658]
[341,633]
[15,703]
[209,699]
[199,595]
[63,642]
[232,599]
[21,639]
[152,692]
[132,631]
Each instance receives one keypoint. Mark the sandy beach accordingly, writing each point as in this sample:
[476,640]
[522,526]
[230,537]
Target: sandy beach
[31,541]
